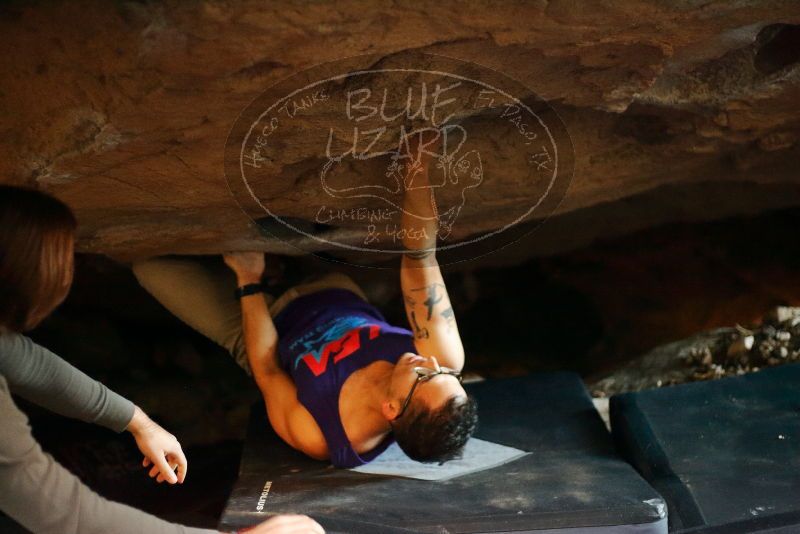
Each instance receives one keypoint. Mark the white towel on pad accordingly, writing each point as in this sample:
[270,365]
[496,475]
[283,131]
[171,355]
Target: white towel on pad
[478,456]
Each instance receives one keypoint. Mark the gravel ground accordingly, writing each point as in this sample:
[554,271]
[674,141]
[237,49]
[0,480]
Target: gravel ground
[711,355]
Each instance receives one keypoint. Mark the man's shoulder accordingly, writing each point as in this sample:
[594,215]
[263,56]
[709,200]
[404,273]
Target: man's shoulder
[305,433]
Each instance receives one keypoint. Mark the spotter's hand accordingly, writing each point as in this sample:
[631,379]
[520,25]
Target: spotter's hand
[161,449]
[287,524]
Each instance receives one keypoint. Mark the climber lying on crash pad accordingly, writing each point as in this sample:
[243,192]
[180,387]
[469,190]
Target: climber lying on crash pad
[338,381]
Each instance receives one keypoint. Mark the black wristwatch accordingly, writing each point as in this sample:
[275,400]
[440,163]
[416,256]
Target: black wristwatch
[248,289]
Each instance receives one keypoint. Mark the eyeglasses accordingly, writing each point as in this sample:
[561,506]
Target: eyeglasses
[423,375]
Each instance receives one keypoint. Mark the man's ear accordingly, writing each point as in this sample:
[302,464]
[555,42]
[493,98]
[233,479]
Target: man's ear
[390,409]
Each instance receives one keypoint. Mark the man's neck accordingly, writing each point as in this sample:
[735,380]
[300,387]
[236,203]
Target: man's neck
[375,386]
[364,402]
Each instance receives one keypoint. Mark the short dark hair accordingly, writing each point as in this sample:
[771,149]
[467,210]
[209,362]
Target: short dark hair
[437,435]
[37,233]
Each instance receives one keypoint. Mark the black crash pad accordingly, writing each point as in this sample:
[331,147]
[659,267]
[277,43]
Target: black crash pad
[573,481]
[724,454]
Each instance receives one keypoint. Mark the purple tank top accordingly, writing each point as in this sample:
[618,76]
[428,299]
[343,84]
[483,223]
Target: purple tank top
[325,337]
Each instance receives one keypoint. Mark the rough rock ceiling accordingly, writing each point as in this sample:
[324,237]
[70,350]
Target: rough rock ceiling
[676,110]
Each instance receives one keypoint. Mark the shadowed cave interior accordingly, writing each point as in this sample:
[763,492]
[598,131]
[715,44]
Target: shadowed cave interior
[582,310]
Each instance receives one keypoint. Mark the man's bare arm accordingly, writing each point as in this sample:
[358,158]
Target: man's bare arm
[428,308]
[429,311]
[289,418]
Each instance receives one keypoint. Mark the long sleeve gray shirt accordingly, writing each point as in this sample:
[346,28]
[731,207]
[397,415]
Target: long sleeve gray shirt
[35,490]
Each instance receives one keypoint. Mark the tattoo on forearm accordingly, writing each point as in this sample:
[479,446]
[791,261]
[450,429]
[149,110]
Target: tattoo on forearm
[421,311]
[449,316]
[419,332]
[434,297]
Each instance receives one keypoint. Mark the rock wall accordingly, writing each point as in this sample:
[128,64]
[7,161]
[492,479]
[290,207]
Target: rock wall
[122,109]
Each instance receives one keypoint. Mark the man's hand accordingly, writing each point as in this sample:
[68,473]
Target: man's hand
[420,216]
[248,266]
[287,524]
[160,449]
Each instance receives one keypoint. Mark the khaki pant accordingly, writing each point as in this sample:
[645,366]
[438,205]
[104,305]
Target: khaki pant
[200,292]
